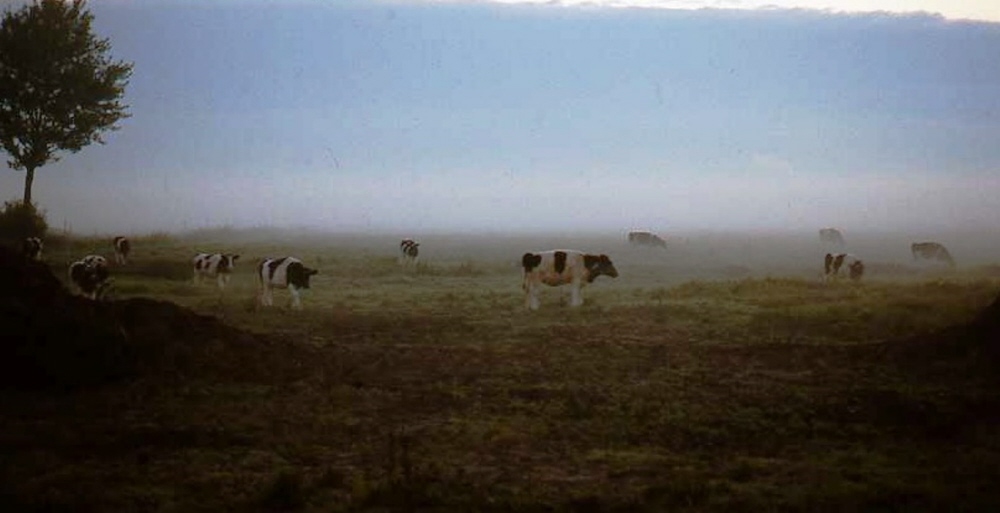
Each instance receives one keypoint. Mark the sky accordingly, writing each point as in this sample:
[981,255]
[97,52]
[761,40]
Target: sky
[430,116]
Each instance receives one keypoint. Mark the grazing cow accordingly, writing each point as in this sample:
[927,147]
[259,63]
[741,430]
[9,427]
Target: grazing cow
[831,236]
[833,262]
[122,248]
[931,251]
[282,273]
[91,276]
[648,239]
[560,267]
[31,248]
[217,265]
[409,249]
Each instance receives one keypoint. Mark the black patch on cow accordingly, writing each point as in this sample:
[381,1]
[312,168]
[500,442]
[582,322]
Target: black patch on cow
[827,263]
[646,239]
[597,265]
[837,262]
[931,251]
[410,247]
[530,261]
[559,261]
[272,266]
[298,275]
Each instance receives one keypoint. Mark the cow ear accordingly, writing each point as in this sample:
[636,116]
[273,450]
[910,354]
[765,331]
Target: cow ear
[313,271]
[235,257]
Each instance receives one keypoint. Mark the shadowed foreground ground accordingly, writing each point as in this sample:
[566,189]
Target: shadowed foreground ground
[143,405]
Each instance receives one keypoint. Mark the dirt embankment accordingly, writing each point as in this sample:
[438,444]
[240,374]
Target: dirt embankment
[53,338]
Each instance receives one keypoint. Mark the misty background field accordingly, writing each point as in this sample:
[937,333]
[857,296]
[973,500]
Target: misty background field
[721,374]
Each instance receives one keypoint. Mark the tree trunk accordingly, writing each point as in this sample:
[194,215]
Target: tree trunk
[29,178]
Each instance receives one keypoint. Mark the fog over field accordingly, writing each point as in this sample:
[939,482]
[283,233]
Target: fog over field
[442,117]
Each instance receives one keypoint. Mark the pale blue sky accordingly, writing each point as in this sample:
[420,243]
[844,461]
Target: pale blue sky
[418,117]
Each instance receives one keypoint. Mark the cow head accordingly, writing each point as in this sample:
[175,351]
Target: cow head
[530,261]
[597,265]
[227,262]
[856,270]
[32,248]
[298,275]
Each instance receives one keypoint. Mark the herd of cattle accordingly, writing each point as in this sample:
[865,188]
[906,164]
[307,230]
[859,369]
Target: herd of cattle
[92,277]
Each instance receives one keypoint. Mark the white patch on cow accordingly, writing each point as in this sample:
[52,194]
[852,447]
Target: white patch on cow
[122,249]
[214,265]
[541,268]
[282,273]
[834,262]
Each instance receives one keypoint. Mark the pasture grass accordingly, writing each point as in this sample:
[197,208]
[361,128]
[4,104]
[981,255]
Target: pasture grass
[691,383]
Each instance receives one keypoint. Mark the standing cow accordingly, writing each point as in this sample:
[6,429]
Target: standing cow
[409,250]
[932,251]
[833,262]
[122,249]
[282,273]
[214,265]
[91,276]
[647,239]
[831,236]
[31,248]
[561,267]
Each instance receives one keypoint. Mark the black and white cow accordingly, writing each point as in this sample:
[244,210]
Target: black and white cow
[833,262]
[409,250]
[561,267]
[647,239]
[831,236]
[91,276]
[282,273]
[932,251]
[31,248]
[214,265]
[122,249]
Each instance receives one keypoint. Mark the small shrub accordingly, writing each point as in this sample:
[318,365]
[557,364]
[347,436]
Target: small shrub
[19,220]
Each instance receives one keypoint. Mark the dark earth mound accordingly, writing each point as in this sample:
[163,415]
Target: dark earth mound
[972,347]
[53,338]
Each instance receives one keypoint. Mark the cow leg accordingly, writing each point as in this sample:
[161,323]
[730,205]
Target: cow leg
[294,292]
[575,298]
[531,296]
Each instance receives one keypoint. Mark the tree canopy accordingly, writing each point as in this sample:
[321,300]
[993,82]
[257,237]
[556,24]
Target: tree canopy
[59,88]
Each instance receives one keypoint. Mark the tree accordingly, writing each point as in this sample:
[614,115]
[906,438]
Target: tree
[59,89]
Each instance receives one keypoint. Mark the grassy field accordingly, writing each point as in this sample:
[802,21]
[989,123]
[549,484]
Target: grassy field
[720,375]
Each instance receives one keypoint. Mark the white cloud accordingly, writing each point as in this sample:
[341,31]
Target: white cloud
[981,10]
